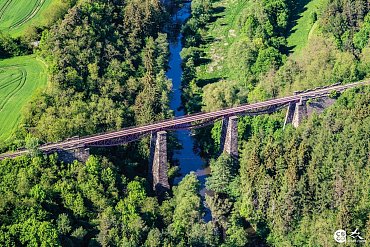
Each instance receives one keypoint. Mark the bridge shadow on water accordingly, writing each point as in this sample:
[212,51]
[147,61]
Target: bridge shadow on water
[186,158]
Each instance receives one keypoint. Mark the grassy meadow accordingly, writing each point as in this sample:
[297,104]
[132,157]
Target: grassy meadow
[17,15]
[227,39]
[20,77]
[306,23]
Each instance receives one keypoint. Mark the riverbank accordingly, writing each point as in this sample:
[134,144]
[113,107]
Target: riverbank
[187,158]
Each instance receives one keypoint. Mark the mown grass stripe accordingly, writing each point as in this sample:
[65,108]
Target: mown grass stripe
[37,6]
[20,77]
[4,7]
[16,16]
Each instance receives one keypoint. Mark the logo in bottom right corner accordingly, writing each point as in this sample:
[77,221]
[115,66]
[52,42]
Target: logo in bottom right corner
[340,236]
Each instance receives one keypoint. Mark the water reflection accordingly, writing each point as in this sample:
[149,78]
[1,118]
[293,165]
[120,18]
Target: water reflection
[187,157]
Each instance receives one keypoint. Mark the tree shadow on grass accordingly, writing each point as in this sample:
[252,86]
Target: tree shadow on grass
[203,82]
[207,40]
[217,13]
[202,61]
[298,7]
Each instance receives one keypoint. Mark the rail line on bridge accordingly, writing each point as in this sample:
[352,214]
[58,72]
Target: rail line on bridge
[185,122]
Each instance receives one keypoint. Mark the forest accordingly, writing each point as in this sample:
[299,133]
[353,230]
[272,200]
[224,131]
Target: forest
[107,63]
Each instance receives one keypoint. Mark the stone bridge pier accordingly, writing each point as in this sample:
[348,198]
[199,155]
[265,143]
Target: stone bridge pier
[81,154]
[296,113]
[158,162]
[229,136]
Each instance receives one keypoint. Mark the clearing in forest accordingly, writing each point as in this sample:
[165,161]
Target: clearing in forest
[20,77]
[16,15]
[306,23]
[226,37]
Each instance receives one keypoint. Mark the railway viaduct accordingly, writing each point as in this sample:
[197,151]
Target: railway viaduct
[78,148]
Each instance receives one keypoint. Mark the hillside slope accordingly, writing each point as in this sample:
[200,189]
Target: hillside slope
[296,181]
[17,15]
[20,77]
[305,24]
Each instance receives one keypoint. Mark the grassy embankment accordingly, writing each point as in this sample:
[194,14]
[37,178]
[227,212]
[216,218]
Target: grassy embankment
[17,15]
[226,37]
[20,77]
[306,24]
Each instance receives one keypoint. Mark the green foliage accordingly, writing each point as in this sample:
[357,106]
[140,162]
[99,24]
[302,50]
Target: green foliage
[64,224]
[192,97]
[291,179]
[32,145]
[223,171]
[361,38]
[334,94]
[254,45]
[154,238]
[364,66]
[236,232]
[99,80]
[319,63]
[187,206]
[342,18]
[187,227]
[222,95]
[201,11]
[267,59]
[11,47]
[45,203]
[107,63]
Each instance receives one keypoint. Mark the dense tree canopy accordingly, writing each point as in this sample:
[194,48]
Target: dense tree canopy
[103,57]
[107,63]
[290,182]
[296,182]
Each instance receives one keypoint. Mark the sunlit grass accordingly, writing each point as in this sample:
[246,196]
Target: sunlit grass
[305,25]
[20,77]
[17,15]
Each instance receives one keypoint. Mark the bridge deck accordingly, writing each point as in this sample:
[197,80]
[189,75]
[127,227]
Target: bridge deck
[172,124]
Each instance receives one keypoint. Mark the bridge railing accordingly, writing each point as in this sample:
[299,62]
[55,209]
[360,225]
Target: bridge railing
[79,140]
[193,115]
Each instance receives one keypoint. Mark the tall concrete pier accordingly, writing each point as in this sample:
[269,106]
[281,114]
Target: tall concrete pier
[158,162]
[229,136]
[296,113]
[289,114]
[300,112]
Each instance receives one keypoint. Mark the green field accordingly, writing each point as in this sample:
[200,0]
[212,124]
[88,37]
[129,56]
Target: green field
[228,37]
[305,25]
[17,15]
[19,78]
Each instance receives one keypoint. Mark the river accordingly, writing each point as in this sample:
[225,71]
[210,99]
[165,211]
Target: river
[187,157]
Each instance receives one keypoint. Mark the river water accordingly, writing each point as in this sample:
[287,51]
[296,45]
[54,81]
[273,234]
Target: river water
[187,157]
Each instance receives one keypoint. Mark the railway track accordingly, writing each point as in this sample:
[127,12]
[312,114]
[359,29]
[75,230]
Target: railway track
[103,139]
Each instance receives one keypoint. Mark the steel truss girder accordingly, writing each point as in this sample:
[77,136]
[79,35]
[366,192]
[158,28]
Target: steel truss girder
[193,125]
[267,110]
[116,141]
